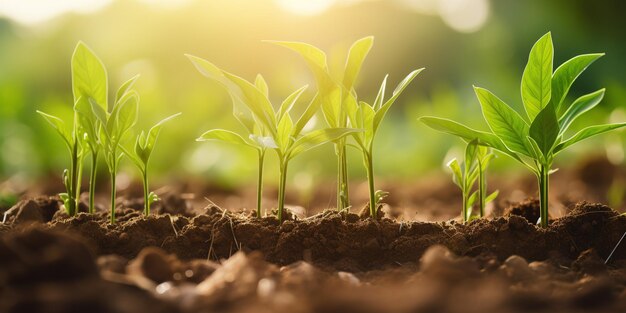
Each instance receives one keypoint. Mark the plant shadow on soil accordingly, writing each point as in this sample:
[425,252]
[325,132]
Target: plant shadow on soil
[176,261]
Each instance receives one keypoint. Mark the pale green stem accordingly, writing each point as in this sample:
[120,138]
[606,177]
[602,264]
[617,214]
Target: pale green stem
[146,193]
[281,189]
[544,172]
[73,203]
[92,181]
[367,158]
[113,197]
[259,186]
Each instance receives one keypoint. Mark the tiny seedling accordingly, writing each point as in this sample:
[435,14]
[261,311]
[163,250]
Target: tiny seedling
[332,94]
[466,174]
[536,139]
[285,136]
[144,145]
[368,117]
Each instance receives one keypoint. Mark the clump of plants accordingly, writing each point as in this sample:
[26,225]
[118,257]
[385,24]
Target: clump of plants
[284,136]
[99,128]
[342,108]
[472,172]
[535,139]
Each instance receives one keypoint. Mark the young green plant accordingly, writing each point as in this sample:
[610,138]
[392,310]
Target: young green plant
[332,94]
[113,122]
[257,138]
[144,146]
[466,174]
[536,139]
[368,117]
[284,136]
[88,84]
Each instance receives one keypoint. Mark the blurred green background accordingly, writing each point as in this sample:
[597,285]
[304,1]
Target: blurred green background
[460,42]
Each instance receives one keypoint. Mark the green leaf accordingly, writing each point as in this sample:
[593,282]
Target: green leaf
[223,135]
[255,100]
[261,85]
[356,56]
[125,88]
[89,77]
[471,156]
[285,126]
[586,133]
[59,126]
[457,174]
[125,116]
[286,106]
[380,114]
[466,133]
[545,129]
[505,122]
[565,75]
[153,134]
[315,59]
[537,77]
[309,112]
[367,115]
[317,138]
[580,106]
[378,102]
[492,196]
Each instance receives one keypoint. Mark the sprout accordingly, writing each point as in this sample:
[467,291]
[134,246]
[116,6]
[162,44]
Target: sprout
[466,174]
[144,145]
[284,136]
[536,140]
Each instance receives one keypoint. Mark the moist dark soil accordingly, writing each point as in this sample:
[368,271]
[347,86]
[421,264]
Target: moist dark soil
[176,261]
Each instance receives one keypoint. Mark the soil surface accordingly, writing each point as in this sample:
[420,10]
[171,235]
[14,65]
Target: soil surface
[221,261]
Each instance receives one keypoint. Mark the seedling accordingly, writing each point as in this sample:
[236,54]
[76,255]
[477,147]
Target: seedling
[257,136]
[368,117]
[88,84]
[332,94]
[144,145]
[285,136]
[108,124]
[537,139]
[466,174]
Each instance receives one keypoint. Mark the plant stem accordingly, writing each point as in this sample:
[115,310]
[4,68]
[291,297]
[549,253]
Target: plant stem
[482,189]
[73,203]
[344,183]
[259,186]
[113,197]
[367,156]
[92,181]
[281,189]
[146,193]
[464,208]
[544,172]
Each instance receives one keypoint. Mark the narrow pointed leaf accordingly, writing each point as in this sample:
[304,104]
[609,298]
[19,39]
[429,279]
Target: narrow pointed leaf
[126,87]
[580,106]
[223,135]
[492,196]
[537,77]
[380,114]
[59,126]
[457,174]
[309,112]
[356,56]
[153,133]
[286,106]
[586,133]
[380,96]
[261,84]
[255,100]
[565,75]
[505,122]
[317,138]
[467,134]
[285,126]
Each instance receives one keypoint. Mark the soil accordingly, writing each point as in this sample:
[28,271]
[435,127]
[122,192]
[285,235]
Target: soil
[178,260]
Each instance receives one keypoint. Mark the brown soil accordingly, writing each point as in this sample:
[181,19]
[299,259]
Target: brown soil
[230,262]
